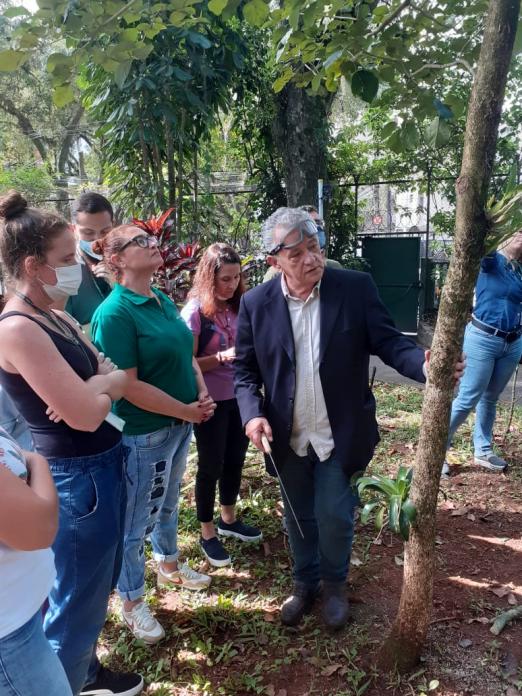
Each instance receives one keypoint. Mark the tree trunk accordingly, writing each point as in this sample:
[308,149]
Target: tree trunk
[171,173]
[179,209]
[26,127]
[158,167]
[301,135]
[71,135]
[403,647]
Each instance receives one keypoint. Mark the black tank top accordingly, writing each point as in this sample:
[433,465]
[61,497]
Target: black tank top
[58,439]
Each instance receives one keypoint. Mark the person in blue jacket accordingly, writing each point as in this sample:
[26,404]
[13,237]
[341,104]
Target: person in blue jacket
[493,347]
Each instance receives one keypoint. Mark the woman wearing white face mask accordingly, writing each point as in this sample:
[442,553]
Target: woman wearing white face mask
[64,390]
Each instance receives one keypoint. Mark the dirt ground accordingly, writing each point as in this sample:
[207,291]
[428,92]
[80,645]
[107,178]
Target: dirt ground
[229,641]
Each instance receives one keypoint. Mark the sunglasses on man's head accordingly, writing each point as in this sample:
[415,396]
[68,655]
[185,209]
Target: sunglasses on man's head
[144,241]
[306,228]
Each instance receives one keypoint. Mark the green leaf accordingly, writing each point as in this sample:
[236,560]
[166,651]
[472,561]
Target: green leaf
[121,73]
[217,6]
[199,40]
[11,60]
[394,513]
[365,85]
[63,95]
[177,18]
[129,35]
[394,142]
[437,133]
[410,139]
[182,75]
[13,12]
[282,80]
[379,518]
[388,129]
[255,12]
[56,60]
[368,509]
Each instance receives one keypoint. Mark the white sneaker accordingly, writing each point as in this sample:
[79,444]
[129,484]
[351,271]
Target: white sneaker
[143,624]
[184,576]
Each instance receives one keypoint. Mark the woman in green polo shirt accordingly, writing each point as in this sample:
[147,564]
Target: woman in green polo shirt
[141,331]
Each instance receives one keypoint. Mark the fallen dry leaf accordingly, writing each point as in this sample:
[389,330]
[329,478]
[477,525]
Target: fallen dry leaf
[465,643]
[500,591]
[460,512]
[331,669]
[399,560]
[270,690]
[281,692]
[471,517]
[266,549]
[512,599]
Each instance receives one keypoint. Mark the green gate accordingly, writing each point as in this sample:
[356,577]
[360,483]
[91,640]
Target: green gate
[395,267]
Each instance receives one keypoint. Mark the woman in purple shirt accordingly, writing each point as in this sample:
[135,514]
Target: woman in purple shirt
[211,315]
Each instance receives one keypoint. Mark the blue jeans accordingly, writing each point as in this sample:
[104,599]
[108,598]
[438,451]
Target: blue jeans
[490,362]
[155,469]
[28,664]
[324,502]
[88,551]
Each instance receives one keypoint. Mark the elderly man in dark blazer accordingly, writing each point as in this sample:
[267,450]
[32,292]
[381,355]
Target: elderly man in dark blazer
[301,377]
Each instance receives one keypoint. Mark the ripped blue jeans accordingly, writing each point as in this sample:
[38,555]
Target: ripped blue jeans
[155,467]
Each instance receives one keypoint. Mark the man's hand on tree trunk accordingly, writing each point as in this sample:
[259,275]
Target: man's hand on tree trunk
[460,366]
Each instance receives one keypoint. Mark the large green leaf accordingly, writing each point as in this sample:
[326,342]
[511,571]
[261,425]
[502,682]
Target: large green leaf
[217,6]
[394,513]
[11,60]
[283,79]
[410,136]
[437,133]
[368,509]
[365,85]
[63,95]
[56,60]
[121,73]
[256,12]
[13,12]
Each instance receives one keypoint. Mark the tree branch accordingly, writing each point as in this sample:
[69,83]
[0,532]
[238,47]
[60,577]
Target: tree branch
[24,124]
[382,26]
[440,66]
[70,134]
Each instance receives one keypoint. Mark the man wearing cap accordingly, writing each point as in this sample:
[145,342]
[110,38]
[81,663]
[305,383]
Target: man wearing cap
[321,236]
[301,376]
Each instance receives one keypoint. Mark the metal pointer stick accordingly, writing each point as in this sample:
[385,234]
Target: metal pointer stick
[268,450]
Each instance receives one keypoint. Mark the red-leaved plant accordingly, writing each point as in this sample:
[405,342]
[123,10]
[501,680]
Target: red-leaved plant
[180,260]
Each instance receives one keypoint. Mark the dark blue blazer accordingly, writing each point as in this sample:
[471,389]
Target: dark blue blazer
[354,324]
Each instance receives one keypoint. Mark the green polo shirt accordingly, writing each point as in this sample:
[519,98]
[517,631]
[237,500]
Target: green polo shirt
[135,331]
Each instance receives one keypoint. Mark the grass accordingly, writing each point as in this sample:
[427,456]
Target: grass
[229,641]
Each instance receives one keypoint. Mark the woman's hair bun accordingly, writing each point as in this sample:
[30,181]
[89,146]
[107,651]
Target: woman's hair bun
[97,246]
[12,204]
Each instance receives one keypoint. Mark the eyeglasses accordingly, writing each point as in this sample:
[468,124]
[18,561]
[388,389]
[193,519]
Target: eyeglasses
[306,228]
[144,241]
